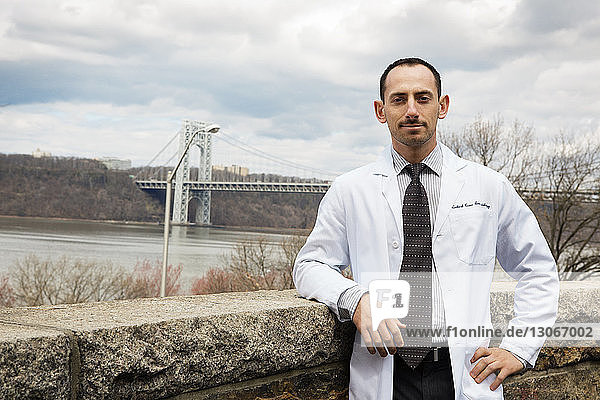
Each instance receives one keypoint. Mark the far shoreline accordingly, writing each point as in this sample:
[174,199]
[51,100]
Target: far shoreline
[255,229]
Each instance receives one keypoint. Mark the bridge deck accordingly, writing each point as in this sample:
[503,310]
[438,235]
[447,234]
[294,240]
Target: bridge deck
[289,187]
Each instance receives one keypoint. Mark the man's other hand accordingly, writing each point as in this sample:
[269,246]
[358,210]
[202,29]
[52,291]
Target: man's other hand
[386,338]
[496,360]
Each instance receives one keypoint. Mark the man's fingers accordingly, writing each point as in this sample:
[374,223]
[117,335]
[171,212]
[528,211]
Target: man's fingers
[480,366]
[372,339]
[386,336]
[368,340]
[480,352]
[394,326]
[494,360]
[499,379]
[491,367]
[378,342]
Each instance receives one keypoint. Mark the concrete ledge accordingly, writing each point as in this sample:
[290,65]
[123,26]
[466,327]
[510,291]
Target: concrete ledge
[580,381]
[151,348]
[328,382]
[34,363]
[266,344]
[579,302]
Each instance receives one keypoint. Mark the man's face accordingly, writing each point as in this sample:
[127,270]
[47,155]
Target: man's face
[411,106]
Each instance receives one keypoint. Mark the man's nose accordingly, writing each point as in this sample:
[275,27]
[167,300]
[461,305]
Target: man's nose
[412,112]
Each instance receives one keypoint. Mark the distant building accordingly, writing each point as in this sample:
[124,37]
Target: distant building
[237,169]
[234,169]
[39,154]
[115,163]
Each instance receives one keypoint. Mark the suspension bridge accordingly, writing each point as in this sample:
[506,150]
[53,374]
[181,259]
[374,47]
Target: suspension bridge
[195,179]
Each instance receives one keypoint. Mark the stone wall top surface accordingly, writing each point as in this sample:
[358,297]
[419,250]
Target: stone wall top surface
[579,302]
[10,332]
[509,286]
[91,316]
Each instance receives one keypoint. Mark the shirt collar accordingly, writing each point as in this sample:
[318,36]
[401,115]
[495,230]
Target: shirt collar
[433,160]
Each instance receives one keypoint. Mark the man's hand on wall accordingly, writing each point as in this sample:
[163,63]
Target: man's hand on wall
[497,360]
[386,338]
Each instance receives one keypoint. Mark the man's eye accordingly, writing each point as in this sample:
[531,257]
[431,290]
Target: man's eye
[424,98]
[398,99]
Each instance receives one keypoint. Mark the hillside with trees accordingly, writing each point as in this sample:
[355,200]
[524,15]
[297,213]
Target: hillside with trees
[280,210]
[71,188]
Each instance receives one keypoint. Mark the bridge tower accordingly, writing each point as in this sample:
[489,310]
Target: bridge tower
[193,133]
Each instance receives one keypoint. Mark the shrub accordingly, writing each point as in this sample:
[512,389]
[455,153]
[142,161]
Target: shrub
[35,281]
[215,280]
[253,265]
[66,280]
[7,294]
[145,280]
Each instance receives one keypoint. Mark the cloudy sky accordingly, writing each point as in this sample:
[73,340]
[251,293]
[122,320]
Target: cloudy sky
[295,79]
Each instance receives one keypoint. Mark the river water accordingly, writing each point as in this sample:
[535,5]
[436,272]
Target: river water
[196,248]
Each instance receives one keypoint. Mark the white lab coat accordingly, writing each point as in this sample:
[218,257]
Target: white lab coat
[360,224]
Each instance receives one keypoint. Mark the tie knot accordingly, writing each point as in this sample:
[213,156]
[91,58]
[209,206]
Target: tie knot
[415,170]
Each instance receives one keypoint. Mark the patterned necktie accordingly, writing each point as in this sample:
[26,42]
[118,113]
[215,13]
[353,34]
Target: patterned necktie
[416,267]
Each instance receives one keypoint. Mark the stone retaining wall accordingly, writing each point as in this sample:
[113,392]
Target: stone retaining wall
[266,344]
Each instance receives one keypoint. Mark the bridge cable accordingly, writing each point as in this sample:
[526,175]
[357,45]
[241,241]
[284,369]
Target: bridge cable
[148,166]
[260,153]
[280,161]
[161,150]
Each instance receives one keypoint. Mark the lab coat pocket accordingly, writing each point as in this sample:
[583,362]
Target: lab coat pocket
[478,391]
[473,234]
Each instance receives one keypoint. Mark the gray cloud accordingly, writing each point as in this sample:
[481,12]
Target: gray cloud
[546,16]
[303,74]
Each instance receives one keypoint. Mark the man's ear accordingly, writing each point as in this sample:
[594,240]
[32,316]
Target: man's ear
[379,111]
[444,105]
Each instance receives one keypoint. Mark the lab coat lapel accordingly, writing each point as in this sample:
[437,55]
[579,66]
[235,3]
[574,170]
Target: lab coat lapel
[391,192]
[451,185]
[389,185]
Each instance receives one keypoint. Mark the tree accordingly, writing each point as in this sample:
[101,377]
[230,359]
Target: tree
[7,294]
[215,280]
[250,264]
[72,188]
[146,279]
[253,265]
[568,213]
[66,280]
[290,247]
[482,138]
[508,150]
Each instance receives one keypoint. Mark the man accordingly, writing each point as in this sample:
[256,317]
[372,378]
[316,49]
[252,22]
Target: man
[420,208]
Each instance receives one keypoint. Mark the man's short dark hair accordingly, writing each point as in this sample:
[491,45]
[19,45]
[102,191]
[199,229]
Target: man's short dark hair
[410,61]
